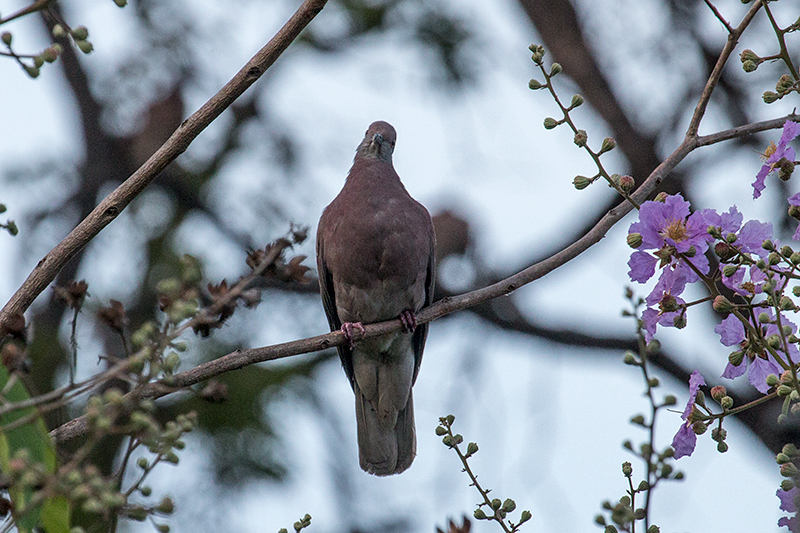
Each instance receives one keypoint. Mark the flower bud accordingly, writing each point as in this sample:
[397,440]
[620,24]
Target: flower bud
[626,183]
[785,84]
[790,449]
[84,46]
[726,402]
[699,427]
[577,100]
[550,123]
[748,55]
[555,69]
[768,245]
[634,240]
[719,434]
[608,144]
[787,485]
[80,33]
[669,399]
[769,97]
[722,304]
[784,391]
[782,458]
[729,270]
[627,469]
[535,85]
[679,322]
[749,66]
[789,470]
[472,449]
[794,211]
[58,31]
[661,197]
[772,380]
[6,38]
[717,392]
[785,169]
[722,447]
[580,138]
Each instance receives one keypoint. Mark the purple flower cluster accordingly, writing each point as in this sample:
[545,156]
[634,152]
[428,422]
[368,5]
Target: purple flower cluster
[774,154]
[673,241]
[755,359]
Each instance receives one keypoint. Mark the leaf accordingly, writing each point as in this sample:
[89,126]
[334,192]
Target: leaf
[33,437]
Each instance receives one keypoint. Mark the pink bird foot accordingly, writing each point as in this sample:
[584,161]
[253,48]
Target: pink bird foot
[409,320]
[348,328]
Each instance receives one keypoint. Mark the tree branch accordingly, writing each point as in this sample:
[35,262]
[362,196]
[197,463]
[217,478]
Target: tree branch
[111,206]
[242,358]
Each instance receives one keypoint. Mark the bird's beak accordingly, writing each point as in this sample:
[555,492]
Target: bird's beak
[377,139]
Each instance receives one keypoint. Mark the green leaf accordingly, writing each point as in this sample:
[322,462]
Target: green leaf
[54,513]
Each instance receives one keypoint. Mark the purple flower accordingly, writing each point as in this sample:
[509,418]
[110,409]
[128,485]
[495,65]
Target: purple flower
[756,360]
[685,439]
[788,504]
[751,286]
[774,154]
[668,229]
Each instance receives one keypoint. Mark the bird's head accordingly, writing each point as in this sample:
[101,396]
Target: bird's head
[378,142]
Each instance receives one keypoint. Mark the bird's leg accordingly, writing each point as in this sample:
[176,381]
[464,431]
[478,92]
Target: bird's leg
[409,320]
[348,328]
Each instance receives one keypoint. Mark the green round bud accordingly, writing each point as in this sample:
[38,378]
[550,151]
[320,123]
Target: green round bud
[38,61]
[50,54]
[669,399]
[535,85]
[789,470]
[146,490]
[726,402]
[784,391]
[550,123]
[441,431]
[608,144]
[770,97]
[787,485]
[581,182]
[627,469]
[80,33]
[121,3]
[33,72]
[577,100]
[84,46]
[653,529]
[782,458]
[555,69]
[58,31]
[679,322]
[626,183]
[790,450]
[6,38]
[630,359]
[141,462]
[728,270]
[479,514]
[167,506]
[472,448]
[722,304]
[580,138]
[749,66]
[722,447]
[634,240]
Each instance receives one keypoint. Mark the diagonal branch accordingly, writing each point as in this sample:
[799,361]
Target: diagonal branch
[111,206]
[241,358]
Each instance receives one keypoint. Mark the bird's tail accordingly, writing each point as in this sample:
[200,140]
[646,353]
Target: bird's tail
[385,448]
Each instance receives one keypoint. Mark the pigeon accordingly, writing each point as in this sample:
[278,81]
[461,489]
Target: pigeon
[376,262]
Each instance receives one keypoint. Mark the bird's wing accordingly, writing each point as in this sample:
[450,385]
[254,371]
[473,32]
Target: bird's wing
[329,303]
[421,333]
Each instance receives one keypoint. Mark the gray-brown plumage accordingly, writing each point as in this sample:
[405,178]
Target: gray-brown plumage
[375,255]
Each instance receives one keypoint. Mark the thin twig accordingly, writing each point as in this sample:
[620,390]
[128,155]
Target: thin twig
[111,206]
[717,14]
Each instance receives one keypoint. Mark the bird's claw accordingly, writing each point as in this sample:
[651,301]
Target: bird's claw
[348,328]
[409,320]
